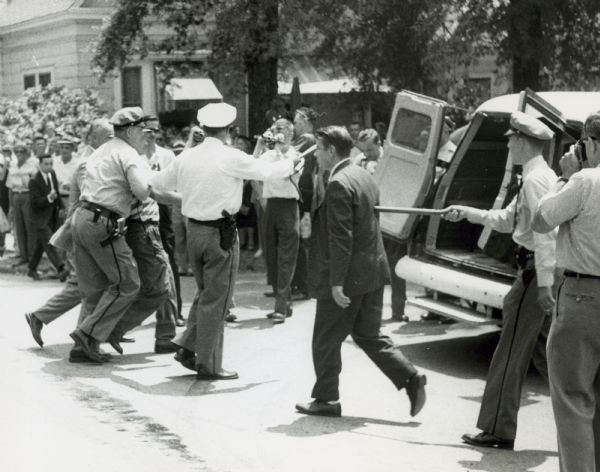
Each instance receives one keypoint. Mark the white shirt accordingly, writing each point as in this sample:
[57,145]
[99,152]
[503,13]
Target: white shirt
[162,158]
[576,208]
[19,176]
[280,188]
[64,173]
[146,210]
[113,172]
[210,178]
[538,180]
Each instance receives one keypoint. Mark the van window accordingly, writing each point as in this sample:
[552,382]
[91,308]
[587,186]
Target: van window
[411,130]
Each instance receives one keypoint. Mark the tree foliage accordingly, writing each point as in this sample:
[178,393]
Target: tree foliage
[551,44]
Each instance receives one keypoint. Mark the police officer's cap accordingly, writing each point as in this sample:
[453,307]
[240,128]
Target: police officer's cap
[217,115]
[527,125]
[6,147]
[129,116]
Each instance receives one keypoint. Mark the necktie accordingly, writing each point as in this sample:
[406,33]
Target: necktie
[519,184]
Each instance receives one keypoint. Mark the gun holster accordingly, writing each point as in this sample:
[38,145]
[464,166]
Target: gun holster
[119,230]
[227,231]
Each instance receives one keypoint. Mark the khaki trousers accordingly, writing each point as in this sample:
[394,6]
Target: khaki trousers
[108,275]
[574,365]
[215,272]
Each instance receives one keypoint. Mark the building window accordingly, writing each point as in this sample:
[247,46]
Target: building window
[44,79]
[28,81]
[34,79]
[131,78]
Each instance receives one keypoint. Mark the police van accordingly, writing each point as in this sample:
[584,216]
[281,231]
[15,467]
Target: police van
[466,269]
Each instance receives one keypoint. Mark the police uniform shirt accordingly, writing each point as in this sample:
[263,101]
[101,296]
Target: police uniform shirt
[64,173]
[19,176]
[576,208]
[210,178]
[113,172]
[538,179]
[280,188]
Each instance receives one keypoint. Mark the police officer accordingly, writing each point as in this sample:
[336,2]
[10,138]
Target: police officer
[108,276]
[210,178]
[530,300]
[574,343]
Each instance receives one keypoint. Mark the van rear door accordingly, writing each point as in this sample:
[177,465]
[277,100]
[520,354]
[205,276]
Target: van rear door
[406,171]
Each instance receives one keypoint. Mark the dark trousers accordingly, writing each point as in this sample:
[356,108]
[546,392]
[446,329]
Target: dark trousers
[523,339]
[395,250]
[42,243]
[361,320]
[283,234]
[300,280]
[168,240]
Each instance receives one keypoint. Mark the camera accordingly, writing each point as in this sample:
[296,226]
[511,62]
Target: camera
[271,139]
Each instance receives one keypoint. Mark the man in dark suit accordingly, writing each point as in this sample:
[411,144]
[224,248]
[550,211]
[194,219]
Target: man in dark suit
[45,207]
[350,270]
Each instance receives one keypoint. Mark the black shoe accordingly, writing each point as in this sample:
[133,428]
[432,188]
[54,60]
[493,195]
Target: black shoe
[179,321]
[269,294]
[273,313]
[230,317]
[320,408]
[488,440]
[114,342]
[415,389]
[88,344]
[400,317]
[186,358]
[276,318]
[36,328]
[220,375]
[77,356]
[298,295]
[126,340]
[163,346]
[34,274]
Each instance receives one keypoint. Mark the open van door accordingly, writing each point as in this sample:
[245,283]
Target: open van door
[406,171]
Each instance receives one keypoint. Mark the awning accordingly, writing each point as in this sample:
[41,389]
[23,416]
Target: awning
[315,79]
[193,89]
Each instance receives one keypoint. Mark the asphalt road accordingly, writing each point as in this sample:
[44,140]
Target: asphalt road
[144,412]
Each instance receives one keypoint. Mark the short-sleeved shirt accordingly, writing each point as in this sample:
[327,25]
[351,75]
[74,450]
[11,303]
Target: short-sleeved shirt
[281,188]
[210,178]
[114,173]
[64,173]
[19,176]
[576,208]
[146,210]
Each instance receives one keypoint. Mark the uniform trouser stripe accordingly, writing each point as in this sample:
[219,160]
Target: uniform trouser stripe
[118,294]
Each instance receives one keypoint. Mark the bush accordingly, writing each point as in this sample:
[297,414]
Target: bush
[70,110]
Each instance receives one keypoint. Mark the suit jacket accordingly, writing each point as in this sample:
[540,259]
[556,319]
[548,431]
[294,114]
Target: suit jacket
[347,247]
[43,212]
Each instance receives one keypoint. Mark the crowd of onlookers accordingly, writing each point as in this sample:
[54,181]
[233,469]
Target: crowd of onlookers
[61,148]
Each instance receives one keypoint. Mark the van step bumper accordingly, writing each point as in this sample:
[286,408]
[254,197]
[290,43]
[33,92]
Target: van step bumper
[450,310]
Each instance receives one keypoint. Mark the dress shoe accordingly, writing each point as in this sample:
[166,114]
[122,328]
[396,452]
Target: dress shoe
[320,408]
[276,317]
[186,358]
[230,317]
[179,321]
[415,389]
[272,314]
[77,356]
[123,339]
[34,274]
[400,317]
[269,294]
[63,274]
[115,343]
[488,440]
[36,328]
[164,346]
[88,344]
[222,374]
[298,295]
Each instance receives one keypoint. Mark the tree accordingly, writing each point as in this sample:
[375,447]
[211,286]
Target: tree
[548,43]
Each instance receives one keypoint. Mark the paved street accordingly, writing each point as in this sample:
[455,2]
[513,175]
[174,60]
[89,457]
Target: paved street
[145,412]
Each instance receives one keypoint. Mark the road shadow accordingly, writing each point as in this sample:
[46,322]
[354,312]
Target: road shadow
[493,460]
[309,426]
[122,369]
